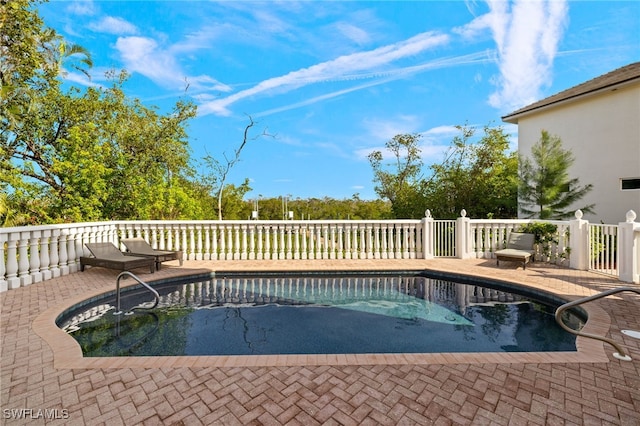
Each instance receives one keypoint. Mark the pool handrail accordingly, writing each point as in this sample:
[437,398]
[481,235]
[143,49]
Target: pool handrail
[127,273]
[620,354]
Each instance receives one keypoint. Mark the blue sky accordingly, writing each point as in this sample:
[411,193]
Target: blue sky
[332,81]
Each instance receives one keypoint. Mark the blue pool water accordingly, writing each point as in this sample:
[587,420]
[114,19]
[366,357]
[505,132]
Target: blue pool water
[405,312]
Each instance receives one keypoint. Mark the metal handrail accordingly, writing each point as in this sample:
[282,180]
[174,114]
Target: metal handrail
[127,273]
[620,354]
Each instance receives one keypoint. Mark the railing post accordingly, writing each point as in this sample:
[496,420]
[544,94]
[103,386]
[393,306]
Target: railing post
[4,286]
[628,249]
[463,236]
[579,240]
[427,235]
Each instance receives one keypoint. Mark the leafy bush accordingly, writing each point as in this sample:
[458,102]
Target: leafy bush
[546,234]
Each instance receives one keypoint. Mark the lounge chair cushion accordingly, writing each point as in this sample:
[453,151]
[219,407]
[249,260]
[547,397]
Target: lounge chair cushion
[519,249]
[140,247]
[107,255]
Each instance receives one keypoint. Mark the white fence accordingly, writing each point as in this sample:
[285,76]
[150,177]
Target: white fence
[603,248]
[38,253]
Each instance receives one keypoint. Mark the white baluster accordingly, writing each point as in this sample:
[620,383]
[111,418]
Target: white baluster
[4,286]
[269,254]
[162,238]
[332,241]
[414,241]
[325,242]
[346,228]
[310,237]
[35,275]
[207,243]
[376,241]
[398,242]
[175,240]
[259,254]
[12,261]
[354,241]
[75,234]
[281,253]
[154,237]
[199,252]
[45,258]
[192,242]
[215,238]
[296,241]
[223,242]
[275,247]
[230,246]
[384,235]
[64,256]
[321,244]
[23,259]
[289,241]
[236,242]
[183,244]
[246,252]
[369,242]
[304,233]
[54,256]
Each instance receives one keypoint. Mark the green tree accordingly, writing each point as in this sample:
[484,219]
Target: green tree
[32,57]
[232,205]
[480,177]
[323,208]
[97,155]
[546,190]
[399,180]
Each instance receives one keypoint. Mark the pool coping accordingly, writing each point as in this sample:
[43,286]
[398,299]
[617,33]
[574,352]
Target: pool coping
[67,353]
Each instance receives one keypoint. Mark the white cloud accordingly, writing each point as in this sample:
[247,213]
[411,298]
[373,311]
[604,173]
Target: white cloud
[311,101]
[441,131]
[85,7]
[353,33]
[381,77]
[112,25]
[386,129]
[526,34]
[143,55]
[338,69]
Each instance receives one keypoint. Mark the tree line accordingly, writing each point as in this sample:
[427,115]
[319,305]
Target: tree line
[480,175]
[70,154]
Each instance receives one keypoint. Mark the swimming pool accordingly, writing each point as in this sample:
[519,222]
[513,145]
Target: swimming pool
[385,312]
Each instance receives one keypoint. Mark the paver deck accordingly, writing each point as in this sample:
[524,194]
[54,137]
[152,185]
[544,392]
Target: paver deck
[43,374]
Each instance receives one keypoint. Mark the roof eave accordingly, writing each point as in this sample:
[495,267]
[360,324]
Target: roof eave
[514,117]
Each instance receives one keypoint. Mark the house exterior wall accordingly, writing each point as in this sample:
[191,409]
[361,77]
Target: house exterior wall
[602,131]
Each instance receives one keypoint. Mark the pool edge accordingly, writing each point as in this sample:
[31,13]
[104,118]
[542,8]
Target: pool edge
[67,353]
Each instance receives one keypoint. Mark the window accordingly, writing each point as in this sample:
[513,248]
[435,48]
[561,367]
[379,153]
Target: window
[629,183]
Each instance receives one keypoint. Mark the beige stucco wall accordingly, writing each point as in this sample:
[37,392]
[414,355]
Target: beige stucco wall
[603,133]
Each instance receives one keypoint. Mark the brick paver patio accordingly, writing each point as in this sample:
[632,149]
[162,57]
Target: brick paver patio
[43,374]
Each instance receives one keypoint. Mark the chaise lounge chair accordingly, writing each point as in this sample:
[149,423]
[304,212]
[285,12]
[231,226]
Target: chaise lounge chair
[139,247]
[519,249]
[107,255]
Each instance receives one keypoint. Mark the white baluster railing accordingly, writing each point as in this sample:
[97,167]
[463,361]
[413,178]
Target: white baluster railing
[32,254]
